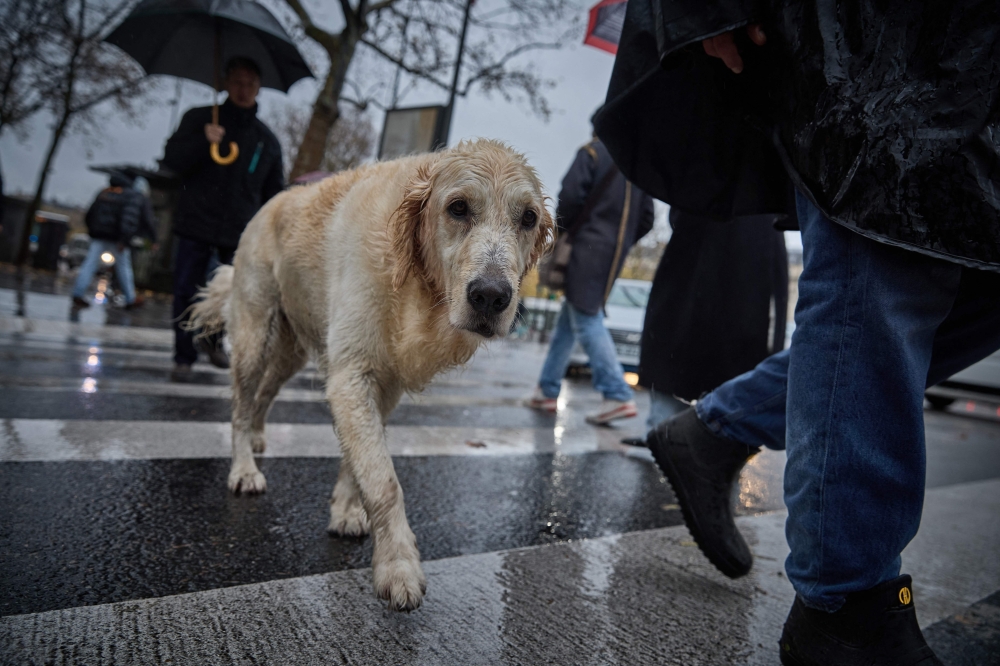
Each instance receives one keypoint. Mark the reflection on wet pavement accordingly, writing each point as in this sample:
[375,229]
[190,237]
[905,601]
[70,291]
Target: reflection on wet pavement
[544,540]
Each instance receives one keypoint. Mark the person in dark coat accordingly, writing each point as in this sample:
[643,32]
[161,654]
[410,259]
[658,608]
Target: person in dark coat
[718,307]
[119,213]
[884,117]
[217,201]
[617,215]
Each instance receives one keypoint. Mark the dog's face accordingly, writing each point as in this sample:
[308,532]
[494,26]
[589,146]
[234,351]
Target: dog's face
[471,225]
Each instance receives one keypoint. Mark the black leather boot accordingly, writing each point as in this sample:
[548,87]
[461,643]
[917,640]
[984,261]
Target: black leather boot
[212,345]
[877,627]
[703,468]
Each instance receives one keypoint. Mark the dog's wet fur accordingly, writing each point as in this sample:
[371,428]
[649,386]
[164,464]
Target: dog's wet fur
[386,275]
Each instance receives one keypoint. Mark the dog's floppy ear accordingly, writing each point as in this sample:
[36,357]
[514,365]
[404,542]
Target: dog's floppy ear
[543,240]
[405,228]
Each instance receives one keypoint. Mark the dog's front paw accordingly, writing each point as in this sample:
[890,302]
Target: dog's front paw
[348,519]
[400,582]
[248,481]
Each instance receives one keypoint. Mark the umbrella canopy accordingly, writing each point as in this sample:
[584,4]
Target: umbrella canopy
[604,28]
[180,38]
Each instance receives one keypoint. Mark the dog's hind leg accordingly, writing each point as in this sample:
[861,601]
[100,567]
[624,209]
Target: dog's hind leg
[360,405]
[347,513]
[285,356]
[265,353]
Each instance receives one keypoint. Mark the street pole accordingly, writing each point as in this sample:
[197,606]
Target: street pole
[443,139]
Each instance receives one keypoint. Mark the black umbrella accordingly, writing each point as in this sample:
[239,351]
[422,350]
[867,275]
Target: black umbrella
[192,38]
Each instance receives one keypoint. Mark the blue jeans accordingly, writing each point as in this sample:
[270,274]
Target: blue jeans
[123,268]
[875,326]
[607,372]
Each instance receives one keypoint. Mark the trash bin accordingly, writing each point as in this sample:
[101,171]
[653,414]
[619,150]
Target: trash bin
[51,236]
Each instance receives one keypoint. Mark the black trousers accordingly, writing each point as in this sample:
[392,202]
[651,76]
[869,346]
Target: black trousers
[190,266]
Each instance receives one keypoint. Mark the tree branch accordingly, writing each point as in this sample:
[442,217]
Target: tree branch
[351,17]
[327,40]
[379,6]
[490,69]
[406,68]
[108,94]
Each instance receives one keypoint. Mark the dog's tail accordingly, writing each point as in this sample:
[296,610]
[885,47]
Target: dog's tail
[209,313]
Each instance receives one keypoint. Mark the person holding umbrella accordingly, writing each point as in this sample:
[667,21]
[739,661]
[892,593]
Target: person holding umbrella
[222,186]
[217,200]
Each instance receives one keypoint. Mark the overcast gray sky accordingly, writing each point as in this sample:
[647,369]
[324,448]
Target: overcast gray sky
[581,74]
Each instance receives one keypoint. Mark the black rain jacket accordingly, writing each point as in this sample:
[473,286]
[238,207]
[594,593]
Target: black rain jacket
[885,114]
[120,213]
[621,216]
[216,202]
[710,307]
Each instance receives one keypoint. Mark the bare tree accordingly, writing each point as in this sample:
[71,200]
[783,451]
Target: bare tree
[78,77]
[421,38]
[24,27]
[351,142]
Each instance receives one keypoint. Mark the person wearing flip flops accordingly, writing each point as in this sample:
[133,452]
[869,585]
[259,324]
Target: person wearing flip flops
[605,215]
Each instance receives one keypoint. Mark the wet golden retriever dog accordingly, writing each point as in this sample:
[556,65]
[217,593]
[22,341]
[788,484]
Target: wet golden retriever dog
[386,275]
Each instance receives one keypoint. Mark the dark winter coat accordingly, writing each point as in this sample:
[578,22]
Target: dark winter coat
[120,213]
[883,114]
[216,201]
[621,216]
[709,310]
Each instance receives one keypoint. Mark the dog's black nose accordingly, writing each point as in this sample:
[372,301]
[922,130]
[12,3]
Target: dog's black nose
[488,295]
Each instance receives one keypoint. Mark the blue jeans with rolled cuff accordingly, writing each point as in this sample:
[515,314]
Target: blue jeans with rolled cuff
[607,372]
[875,325]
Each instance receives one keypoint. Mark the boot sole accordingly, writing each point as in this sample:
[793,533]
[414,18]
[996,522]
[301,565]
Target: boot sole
[728,568]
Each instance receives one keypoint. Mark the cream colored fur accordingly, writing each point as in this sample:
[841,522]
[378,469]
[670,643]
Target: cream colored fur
[369,272]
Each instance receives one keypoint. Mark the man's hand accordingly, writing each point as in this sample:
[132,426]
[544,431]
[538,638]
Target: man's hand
[722,46]
[214,133]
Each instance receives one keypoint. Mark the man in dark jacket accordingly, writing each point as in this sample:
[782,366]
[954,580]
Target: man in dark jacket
[118,214]
[884,116]
[217,201]
[617,215]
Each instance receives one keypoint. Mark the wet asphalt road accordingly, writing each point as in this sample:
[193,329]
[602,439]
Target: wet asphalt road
[131,529]
[113,483]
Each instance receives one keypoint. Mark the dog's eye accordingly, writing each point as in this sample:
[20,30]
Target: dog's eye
[528,219]
[459,208]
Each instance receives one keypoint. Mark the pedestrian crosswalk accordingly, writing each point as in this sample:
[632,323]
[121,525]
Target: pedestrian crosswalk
[545,539]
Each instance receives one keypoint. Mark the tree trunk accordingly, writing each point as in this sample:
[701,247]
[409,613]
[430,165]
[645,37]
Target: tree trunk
[325,112]
[25,250]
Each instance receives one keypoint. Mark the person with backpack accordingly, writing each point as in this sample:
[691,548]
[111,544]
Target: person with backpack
[119,213]
[603,215]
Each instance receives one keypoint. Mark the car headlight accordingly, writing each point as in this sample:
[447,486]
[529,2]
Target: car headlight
[108,258]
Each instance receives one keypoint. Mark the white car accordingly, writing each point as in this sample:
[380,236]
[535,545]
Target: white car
[625,313]
[978,381]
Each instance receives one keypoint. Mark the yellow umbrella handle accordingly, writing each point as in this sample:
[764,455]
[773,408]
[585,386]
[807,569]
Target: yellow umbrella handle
[234,152]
